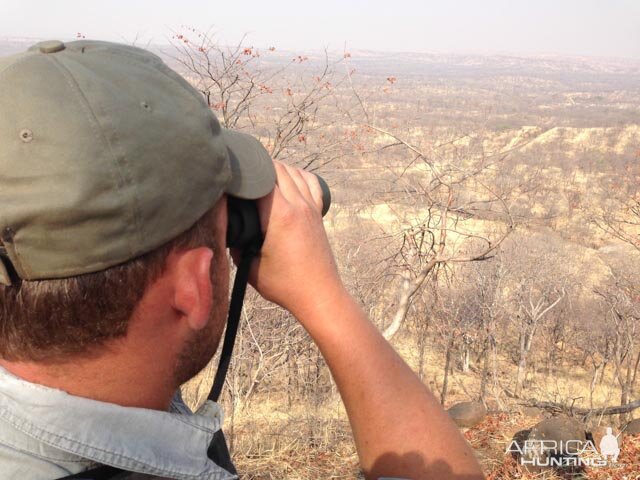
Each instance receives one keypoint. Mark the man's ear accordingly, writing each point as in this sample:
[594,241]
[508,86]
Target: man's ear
[192,288]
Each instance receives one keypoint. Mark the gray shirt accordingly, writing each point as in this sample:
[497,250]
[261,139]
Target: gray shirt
[46,433]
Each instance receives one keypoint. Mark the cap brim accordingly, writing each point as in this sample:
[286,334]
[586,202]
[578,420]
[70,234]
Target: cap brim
[252,172]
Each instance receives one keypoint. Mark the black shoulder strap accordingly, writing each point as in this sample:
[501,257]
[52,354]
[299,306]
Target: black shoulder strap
[217,451]
[100,473]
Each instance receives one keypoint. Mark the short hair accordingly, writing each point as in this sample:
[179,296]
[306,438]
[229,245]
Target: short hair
[51,320]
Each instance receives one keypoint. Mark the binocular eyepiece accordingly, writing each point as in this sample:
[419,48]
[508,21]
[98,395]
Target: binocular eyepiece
[244,227]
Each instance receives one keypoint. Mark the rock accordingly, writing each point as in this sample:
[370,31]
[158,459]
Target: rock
[562,430]
[633,427]
[531,412]
[562,434]
[467,414]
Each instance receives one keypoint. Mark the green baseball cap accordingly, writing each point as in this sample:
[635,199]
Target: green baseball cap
[106,154]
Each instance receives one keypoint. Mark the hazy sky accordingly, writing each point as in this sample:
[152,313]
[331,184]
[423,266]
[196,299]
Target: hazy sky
[587,27]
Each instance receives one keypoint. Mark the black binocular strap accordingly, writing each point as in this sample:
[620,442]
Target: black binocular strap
[235,310]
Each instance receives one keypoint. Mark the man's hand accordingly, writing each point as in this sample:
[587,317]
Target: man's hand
[295,268]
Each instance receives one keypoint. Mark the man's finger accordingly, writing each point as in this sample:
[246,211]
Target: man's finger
[284,180]
[303,185]
[314,187]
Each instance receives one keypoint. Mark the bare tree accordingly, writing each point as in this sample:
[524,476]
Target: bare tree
[445,201]
[538,283]
[622,318]
[279,100]
[597,344]
[533,306]
[225,75]
[452,319]
[489,280]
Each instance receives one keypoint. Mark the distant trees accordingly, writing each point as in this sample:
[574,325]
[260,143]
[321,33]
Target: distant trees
[619,218]
[622,219]
[444,238]
[619,211]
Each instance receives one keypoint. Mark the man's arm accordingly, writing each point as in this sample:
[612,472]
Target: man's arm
[399,428]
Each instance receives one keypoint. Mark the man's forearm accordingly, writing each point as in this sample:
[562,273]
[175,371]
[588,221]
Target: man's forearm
[399,427]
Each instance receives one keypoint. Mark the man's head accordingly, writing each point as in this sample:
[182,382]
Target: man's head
[113,174]
[56,319]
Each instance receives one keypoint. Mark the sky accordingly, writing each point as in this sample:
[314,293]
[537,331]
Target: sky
[609,28]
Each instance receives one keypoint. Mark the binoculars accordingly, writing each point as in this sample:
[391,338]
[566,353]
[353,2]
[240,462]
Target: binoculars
[244,232]
[244,227]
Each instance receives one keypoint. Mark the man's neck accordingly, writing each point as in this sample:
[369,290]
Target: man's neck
[130,380]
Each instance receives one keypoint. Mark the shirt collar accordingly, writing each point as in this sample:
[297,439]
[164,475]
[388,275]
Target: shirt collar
[134,439]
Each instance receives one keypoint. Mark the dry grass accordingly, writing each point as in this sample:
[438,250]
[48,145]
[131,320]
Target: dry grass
[272,440]
[296,448]
[566,384]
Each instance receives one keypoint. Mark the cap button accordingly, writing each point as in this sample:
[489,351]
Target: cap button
[51,46]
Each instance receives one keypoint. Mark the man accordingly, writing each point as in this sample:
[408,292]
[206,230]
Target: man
[114,177]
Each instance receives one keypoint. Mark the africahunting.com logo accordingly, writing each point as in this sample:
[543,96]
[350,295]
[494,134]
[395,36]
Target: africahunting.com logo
[566,453]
